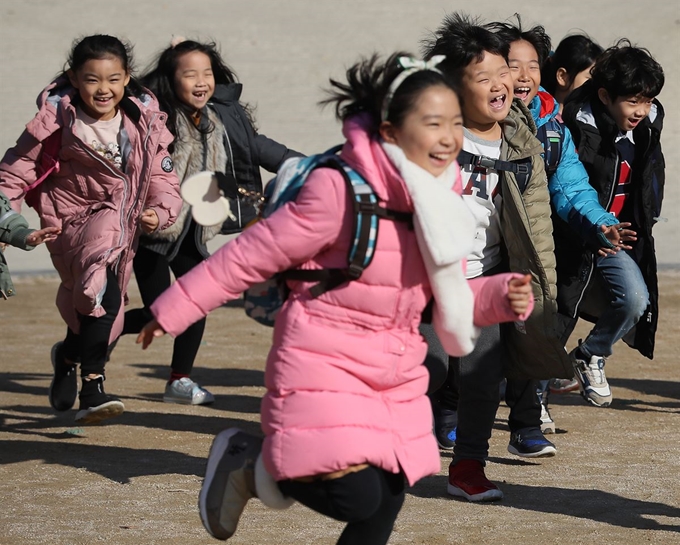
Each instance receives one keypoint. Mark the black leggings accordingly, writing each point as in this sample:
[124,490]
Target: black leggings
[368,500]
[152,271]
[90,346]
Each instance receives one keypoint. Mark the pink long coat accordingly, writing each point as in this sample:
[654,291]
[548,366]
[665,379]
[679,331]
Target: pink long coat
[345,377]
[96,205]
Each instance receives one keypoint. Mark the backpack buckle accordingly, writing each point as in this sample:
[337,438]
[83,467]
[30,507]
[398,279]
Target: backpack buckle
[485,162]
[523,168]
[354,271]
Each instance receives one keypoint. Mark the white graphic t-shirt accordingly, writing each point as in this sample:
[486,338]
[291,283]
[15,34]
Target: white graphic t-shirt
[101,136]
[481,194]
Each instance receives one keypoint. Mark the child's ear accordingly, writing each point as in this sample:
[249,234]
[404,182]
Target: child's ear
[604,97]
[387,132]
[127,79]
[562,77]
[72,78]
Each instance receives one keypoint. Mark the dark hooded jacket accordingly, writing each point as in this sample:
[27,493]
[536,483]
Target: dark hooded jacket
[594,137]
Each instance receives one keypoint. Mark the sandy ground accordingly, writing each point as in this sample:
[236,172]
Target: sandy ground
[284,53]
[135,480]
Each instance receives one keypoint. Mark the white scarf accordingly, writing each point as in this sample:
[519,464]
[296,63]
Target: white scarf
[445,230]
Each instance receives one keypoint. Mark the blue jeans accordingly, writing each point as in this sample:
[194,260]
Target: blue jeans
[620,298]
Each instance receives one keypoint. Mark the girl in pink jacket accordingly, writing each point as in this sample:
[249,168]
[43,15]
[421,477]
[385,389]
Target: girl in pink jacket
[113,178]
[345,417]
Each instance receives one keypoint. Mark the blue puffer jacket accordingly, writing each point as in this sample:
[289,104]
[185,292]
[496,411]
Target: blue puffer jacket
[572,197]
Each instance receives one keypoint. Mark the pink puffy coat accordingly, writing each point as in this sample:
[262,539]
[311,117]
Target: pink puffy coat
[96,205]
[345,377]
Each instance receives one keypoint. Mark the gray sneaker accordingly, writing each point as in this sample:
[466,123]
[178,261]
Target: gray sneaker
[592,380]
[187,392]
[229,481]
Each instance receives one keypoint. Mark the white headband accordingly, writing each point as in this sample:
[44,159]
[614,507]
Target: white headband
[411,66]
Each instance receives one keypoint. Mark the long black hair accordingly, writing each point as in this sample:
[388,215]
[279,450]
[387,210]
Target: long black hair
[160,79]
[102,46]
[367,84]
[575,54]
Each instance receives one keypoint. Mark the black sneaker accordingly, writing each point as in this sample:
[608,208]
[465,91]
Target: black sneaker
[229,481]
[445,422]
[95,405]
[530,443]
[64,386]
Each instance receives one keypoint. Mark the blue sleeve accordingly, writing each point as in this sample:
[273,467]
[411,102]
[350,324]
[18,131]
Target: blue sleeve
[573,198]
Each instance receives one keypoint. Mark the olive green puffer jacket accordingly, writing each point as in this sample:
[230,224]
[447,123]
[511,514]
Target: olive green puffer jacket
[13,230]
[534,349]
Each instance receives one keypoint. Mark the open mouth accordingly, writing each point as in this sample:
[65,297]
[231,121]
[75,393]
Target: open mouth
[200,95]
[522,93]
[440,158]
[102,100]
[498,102]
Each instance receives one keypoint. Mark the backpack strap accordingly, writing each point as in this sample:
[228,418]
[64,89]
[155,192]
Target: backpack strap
[367,215]
[551,135]
[521,169]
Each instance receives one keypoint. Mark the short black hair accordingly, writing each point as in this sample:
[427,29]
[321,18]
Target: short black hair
[464,40]
[626,70]
[575,53]
[536,36]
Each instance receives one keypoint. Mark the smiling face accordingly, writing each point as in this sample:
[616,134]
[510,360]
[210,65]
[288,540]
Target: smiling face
[487,95]
[525,70]
[101,86]
[194,79]
[431,134]
[628,111]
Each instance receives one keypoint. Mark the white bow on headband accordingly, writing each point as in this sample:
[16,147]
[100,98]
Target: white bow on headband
[411,66]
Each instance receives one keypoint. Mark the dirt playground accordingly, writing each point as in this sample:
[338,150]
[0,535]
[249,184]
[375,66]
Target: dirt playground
[135,480]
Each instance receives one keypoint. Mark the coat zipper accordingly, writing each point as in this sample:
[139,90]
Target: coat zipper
[592,264]
[233,171]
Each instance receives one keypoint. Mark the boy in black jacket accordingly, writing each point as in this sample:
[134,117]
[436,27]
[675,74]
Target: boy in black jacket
[616,123]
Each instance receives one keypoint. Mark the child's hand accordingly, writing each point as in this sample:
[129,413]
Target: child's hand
[43,235]
[618,234]
[148,332]
[520,294]
[149,220]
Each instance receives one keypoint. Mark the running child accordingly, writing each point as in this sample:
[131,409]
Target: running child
[505,187]
[115,179]
[616,123]
[345,416]
[213,131]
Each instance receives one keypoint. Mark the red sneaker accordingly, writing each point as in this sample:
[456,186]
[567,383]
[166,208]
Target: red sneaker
[467,480]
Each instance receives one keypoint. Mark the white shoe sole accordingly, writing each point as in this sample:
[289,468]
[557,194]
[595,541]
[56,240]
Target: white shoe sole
[94,415]
[489,495]
[543,453]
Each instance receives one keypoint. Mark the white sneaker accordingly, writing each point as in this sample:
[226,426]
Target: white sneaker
[186,392]
[547,423]
[592,380]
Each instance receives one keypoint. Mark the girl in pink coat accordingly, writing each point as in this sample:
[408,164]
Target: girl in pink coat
[113,178]
[345,417]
